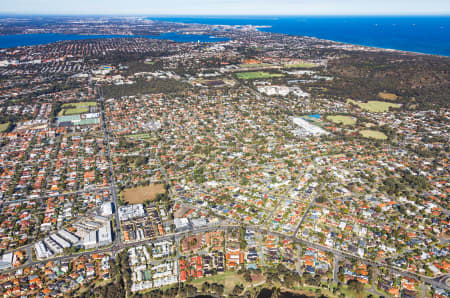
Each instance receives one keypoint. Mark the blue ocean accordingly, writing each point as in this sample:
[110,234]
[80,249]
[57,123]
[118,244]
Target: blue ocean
[423,34]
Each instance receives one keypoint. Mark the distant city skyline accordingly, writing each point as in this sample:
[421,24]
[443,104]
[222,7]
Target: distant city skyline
[228,7]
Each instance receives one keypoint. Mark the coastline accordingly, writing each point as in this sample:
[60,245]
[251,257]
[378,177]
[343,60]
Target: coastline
[369,46]
[395,27]
[442,50]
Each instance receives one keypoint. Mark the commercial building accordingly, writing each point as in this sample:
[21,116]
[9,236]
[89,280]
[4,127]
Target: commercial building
[105,235]
[89,240]
[6,261]
[41,251]
[60,241]
[69,236]
[182,224]
[107,209]
[53,246]
[97,238]
[306,128]
[131,212]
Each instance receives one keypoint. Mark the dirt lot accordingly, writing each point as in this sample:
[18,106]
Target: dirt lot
[141,194]
[388,96]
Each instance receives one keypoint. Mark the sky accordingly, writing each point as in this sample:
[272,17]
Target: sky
[227,7]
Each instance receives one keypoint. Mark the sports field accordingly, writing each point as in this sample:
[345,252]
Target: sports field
[76,111]
[76,108]
[373,134]
[300,65]
[139,195]
[140,136]
[4,126]
[79,104]
[388,96]
[257,75]
[340,119]
[374,106]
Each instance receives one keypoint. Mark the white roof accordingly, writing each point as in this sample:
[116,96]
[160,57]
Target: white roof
[6,260]
[104,233]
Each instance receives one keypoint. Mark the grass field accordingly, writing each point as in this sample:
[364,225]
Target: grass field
[75,108]
[388,96]
[4,126]
[301,65]
[229,279]
[257,75]
[140,136]
[339,119]
[79,104]
[256,65]
[373,134]
[141,194]
[76,111]
[374,105]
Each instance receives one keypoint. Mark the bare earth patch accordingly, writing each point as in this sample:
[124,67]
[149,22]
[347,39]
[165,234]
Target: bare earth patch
[257,278]
[388,96]
[141,194]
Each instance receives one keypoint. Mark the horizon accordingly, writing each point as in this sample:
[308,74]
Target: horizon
[228,7]
[221,15]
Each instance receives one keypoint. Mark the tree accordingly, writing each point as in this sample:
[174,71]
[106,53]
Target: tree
[247,276]
[218,288]
[237,289]
[205,286]
[321,199]
[141,160]
[355,286]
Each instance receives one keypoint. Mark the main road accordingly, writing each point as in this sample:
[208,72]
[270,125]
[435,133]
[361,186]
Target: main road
[112,176]
[116,247]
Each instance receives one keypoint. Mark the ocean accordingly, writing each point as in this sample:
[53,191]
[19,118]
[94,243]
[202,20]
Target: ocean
[10,41]
[423,34]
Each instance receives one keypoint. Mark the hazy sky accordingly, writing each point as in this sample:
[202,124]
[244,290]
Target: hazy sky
[226,7]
